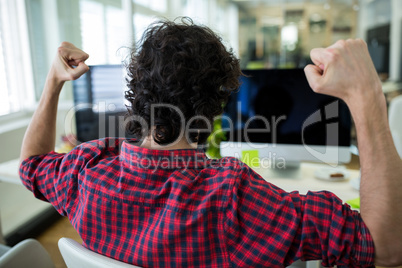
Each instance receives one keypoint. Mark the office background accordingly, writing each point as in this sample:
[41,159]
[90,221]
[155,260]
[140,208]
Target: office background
[263,33]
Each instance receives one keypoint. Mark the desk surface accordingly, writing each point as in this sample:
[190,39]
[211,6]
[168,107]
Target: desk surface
[9,172]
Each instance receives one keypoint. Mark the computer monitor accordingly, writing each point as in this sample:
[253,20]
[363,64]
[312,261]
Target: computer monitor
[99,102]
[276,115]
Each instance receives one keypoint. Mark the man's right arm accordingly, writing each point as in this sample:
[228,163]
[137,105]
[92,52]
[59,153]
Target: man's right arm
[345,70]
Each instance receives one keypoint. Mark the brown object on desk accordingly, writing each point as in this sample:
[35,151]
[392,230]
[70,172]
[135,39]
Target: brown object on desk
[336,175]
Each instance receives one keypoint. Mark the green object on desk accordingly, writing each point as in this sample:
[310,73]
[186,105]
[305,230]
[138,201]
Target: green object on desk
[354,203]
[251,158]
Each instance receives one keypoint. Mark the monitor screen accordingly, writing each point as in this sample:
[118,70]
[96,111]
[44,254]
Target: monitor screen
[99,102]
[378,43]
[277,106]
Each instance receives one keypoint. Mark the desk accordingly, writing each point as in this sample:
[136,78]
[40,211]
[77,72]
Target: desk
[18,206]
[9,172]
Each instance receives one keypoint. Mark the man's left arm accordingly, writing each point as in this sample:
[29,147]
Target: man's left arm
[268,227]
[40,136]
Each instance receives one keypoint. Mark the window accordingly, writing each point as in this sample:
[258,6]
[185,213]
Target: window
[147,12]
[37,33]
[116,34]
[154,5]
[141,22]
[31,30]
[4,92]
[15,59]
[93,31]
[103,32]
[197,10]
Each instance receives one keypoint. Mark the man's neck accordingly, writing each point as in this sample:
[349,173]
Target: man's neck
[149,143]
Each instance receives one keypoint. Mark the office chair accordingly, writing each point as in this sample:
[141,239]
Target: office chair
[28,253]
[395,123]
[76,255]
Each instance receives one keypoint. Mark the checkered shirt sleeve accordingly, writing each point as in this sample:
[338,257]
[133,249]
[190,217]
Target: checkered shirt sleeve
[268,227]
[54,177]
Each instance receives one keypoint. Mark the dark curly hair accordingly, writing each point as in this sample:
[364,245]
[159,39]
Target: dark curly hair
[179,66]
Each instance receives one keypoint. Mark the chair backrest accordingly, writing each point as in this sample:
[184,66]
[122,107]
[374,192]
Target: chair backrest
[28,253]
[395,122]
[76,255]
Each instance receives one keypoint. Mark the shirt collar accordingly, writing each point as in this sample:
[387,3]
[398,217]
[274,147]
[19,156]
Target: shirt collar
[136,156]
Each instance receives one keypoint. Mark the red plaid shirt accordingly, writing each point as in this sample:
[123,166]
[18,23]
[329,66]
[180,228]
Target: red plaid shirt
[156,208]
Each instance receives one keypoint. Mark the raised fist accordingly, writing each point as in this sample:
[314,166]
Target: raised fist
[344,70]
[69,63]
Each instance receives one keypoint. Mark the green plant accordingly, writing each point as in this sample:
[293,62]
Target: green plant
[215,139]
